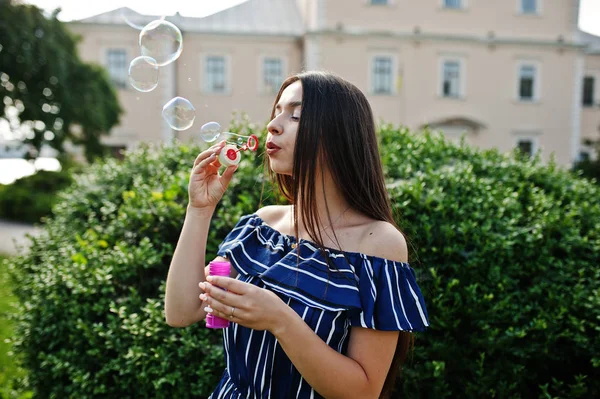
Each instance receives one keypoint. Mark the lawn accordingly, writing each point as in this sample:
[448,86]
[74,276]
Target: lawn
[8,367]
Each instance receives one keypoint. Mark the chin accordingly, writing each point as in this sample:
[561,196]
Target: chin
[280,168]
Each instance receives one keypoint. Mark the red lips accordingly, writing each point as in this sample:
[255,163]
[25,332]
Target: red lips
[272,148]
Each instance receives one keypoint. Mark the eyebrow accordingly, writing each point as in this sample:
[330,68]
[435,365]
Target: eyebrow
[292,104]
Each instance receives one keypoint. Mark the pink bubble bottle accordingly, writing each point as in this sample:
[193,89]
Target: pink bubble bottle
[218,269]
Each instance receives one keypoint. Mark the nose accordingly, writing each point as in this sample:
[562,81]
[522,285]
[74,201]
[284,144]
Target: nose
[274,127]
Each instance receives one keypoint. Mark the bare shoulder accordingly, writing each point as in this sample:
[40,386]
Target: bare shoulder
[272,214]
[384,240]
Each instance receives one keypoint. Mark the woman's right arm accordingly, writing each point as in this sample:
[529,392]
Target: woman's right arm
[183,306]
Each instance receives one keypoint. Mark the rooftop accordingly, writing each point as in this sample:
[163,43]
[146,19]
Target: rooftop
[260,17]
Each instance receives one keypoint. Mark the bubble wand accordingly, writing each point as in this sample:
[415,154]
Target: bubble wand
[230,154]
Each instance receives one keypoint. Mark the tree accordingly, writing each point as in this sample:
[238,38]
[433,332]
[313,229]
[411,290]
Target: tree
[48,93]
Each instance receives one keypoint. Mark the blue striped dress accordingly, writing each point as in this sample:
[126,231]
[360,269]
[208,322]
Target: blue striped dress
[366,291]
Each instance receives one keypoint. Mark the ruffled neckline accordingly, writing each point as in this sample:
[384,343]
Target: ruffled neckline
[292,240]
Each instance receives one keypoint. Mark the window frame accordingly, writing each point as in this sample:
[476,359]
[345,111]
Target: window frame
[593,103]
[537,93]
[394,75]
[262,89]
[125,71]
[533,136]
[204,73]
[462,76]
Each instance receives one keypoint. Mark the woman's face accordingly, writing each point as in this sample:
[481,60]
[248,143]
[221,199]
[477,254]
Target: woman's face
[282,130]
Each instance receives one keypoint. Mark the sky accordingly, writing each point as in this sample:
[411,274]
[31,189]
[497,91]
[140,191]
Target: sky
[589,16]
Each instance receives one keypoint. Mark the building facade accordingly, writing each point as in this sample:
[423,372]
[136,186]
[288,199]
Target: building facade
[511,74]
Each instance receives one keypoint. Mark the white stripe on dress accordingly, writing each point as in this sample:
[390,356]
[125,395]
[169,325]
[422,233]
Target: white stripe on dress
[322,263]
[387,274]
[251,259]
[312,391]
[331,255]
[264,241]
[373,287]
[401,302]
[414,294]
[351,287]
[259,357]
[301,379]
[346,329]
[295,294]
[333,327]
[226,342]
[249,345]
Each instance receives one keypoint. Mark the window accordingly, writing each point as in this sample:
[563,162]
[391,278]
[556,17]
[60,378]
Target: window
[116,63]
[215,74]
[451,79]
[382,75]
[525,146]
[452,3]
[379,2]
[272,74]
[529,6]
[588,91]
[527,76]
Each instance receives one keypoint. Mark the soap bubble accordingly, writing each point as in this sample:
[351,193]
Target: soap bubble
[130,17]
[143,73]
[162,41]
[210,131]
[241,141]
[179,113]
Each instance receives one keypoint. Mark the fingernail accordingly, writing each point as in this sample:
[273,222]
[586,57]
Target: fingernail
[201,285]
[209,278]
[208,310]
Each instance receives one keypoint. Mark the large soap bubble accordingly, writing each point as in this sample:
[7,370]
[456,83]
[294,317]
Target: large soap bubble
[179,113]
[162,41]
[143,73]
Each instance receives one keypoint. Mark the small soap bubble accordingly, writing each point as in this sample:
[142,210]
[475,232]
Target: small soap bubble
[210,131]
[241,141]
[179,113]
[143,73]
[162,41]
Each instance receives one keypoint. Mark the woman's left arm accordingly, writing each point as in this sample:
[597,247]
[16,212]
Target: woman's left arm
[361,374]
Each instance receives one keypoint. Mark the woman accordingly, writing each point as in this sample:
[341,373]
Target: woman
[321,297]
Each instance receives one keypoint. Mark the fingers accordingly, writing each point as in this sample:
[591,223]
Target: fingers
[205,162]
[211,161]
[218,299]
[230,284]
[207,153]
[227,175]
[224,311]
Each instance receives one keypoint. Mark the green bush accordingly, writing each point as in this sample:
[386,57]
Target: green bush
[588,168]
[506,252]
[509,251]
[92,286]
[31,198]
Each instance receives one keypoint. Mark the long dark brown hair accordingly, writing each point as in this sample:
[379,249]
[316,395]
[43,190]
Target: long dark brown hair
[337,125]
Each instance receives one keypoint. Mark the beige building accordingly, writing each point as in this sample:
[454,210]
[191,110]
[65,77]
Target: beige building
[512,73]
